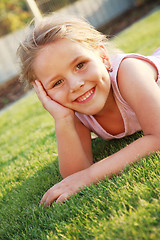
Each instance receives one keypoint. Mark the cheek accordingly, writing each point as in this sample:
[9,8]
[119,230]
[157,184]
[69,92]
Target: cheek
[100,74]
[93,73]
[57,95]
[99,69]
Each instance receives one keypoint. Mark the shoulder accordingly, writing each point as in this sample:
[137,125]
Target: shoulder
[134,73]
[136,81]
[136,67]
[137,84]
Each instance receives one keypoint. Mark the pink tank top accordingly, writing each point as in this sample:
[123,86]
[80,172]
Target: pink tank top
[131,124]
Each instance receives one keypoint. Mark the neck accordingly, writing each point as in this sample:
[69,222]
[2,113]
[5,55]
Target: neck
[109,106]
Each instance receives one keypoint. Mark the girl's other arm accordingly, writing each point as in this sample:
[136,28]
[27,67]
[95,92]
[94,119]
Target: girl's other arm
[137,84]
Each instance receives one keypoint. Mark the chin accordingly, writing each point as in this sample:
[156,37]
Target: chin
[93,111]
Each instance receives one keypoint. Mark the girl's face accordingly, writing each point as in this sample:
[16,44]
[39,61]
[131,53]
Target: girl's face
[74,76]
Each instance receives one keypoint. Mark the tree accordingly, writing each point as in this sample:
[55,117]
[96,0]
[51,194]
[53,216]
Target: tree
[13,15]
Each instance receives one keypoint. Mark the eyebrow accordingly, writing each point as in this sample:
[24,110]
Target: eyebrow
[56,76]
[75,60]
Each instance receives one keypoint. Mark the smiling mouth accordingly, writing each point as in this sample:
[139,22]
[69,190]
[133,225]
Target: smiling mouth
[86,96]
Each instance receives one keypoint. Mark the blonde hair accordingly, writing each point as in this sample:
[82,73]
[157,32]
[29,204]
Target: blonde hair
[52,28]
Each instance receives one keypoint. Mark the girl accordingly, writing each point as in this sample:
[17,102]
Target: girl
[87,88]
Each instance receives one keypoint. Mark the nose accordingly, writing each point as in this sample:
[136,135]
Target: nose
[75,83]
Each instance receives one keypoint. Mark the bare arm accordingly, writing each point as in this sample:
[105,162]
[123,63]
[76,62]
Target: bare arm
[138,87]
[73,138]
[74,146]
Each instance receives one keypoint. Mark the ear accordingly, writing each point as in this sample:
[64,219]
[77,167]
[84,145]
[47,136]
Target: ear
[105,58]
[103,53]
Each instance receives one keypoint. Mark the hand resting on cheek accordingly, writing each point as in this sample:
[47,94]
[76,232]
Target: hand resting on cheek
[55,109]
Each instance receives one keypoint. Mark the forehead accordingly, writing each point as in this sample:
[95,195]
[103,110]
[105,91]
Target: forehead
[58,53]
[62,48]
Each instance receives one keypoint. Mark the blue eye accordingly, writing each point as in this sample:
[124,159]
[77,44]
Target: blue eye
[80,65]
[58,83]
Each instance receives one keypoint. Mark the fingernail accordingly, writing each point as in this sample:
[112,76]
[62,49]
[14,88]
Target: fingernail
[36,82]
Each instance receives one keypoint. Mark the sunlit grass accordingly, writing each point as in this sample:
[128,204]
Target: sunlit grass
[125,207]
[143,37]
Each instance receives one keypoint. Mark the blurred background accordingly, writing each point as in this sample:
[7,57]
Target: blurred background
[108,16]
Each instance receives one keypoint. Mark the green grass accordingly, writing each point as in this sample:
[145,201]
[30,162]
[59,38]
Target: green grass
[143,37]
[124,207]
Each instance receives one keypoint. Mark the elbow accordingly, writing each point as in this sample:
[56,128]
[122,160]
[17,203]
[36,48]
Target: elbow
[155,143]
[158,142]
[65,172]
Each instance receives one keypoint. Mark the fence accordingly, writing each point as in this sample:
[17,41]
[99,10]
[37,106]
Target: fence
[96,12]
[47,6]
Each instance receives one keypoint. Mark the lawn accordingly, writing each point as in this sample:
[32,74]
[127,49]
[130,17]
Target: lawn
[124,207]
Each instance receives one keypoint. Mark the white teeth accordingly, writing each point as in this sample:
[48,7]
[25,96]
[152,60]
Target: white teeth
[85,96]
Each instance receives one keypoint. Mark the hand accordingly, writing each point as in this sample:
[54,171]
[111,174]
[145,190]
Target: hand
[66,188]
[55,109]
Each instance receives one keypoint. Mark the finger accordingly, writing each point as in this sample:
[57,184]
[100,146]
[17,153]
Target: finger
[40,89]
[62,198]
[45,196]
[41,93]
[36,88]
[50,196]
